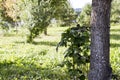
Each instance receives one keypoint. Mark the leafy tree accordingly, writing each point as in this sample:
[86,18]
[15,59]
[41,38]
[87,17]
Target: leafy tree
[84,18]
[5,15]
[41,16]
[115,12]
[66,14]
[11,11]
[76,55]
[5,19]
[68,18]
[42,13]
[100,40]
[85,15]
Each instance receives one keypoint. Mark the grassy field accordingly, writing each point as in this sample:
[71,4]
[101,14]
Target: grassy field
[115,49]
[39,61]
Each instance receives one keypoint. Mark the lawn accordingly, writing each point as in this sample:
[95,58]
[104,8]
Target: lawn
[20,60]
[115,49]
[38,61]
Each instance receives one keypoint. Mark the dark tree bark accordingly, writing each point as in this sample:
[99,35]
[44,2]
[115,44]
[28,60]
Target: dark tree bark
[100,41]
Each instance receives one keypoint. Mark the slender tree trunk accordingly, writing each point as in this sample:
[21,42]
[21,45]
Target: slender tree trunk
[100,27]
[45,31]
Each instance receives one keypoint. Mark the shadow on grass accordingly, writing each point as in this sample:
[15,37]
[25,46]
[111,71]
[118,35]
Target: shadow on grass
[28,71]
[115,36]
[47,43]
[114,30]
[114,45]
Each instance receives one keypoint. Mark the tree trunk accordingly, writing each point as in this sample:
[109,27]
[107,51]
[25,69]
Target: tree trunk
[100,41]
[45,31]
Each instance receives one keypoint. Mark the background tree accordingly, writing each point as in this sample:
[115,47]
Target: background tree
[5,19]
[100,42]
[41,16]
[42,13]
[115,12]
[65,14]
[11,11]
[4,10]
[84,17]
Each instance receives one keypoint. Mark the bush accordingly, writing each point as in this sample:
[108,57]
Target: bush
[76,57]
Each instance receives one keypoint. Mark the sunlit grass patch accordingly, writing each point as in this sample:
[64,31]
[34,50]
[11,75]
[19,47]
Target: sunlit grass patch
[20,60]
[115,49]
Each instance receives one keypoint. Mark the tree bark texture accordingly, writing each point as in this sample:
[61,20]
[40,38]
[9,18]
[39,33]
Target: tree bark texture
[100,41]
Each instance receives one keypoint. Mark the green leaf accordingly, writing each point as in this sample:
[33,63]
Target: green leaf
[82,77]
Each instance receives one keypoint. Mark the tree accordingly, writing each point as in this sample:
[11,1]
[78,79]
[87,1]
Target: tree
[41,15]
[11,11]
[5,11]
[115,11]
[100,42]
[84,17]
[76,57]
[66,14]
[42,12]
[5,20]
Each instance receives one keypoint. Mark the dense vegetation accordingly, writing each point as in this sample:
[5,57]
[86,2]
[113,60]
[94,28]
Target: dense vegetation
[27,55]
[76,57]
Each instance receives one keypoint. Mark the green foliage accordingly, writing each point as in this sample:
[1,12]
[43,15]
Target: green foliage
[42,12]
[40,19]
[76,39]
[5,25]
[3,14]
[36,14]
[66,14]
[115,12]
[84,18]
[68,17]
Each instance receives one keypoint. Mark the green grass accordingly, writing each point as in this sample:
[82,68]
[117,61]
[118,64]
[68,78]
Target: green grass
[39,61]
[115,49]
